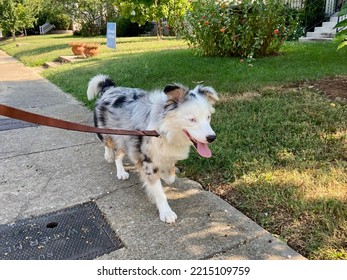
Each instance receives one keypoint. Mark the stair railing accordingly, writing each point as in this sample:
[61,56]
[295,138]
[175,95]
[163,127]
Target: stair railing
[46,28]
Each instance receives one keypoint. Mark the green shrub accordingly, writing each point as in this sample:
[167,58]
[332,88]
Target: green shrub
[89,29]
[238,28]
[314,13]
[126,28]
[60,21]
[295,18]
[341,35]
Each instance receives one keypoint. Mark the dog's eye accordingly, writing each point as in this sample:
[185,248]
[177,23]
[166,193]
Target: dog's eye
[193,120]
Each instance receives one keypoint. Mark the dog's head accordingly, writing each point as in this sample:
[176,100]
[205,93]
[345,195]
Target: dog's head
[190,113]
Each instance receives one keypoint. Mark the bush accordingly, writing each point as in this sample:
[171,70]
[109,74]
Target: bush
[341,35]
[314,13]
[238,28]
[90,28]
[126,28]
[60,21]
[295,19]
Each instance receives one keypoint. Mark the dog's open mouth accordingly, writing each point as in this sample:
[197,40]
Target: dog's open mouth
[202,148]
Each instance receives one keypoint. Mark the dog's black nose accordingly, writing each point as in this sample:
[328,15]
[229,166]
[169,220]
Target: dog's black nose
[211,138]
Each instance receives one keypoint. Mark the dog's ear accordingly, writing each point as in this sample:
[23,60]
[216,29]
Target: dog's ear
[209,93]
[175,92]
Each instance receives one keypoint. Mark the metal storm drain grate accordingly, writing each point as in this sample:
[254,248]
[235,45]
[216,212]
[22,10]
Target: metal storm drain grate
[79,232]
[9,124]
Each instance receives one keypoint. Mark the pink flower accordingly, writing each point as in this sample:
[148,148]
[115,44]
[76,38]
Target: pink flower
[276,31]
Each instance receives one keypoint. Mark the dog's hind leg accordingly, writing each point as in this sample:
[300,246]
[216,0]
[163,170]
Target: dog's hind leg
[109,150]
[151,177]
[112,154]
[109,154]
[121,173]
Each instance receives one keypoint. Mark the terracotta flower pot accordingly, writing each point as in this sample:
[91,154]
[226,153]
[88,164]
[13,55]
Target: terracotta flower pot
[91,50]
[77,48]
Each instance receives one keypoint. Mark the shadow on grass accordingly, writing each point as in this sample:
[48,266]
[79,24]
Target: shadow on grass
[38,51]
[67,36]
[314,227]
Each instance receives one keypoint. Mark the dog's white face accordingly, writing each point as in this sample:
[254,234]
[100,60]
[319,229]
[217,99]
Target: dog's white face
[196,126]
[193,117]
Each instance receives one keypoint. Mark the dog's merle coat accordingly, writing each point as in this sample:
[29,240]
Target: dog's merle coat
[181,116]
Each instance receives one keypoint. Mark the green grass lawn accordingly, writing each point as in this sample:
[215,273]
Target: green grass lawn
[281,152]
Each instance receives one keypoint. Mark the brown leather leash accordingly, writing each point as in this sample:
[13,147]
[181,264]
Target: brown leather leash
[52,122]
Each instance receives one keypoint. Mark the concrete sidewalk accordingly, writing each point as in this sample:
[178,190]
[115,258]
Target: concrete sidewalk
[44,169]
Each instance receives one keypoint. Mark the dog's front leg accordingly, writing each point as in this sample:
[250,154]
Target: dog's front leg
[165,213]
[168,174]
[151,177]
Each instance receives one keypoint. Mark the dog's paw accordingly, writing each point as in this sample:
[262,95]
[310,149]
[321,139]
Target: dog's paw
[122,175]
[167,216]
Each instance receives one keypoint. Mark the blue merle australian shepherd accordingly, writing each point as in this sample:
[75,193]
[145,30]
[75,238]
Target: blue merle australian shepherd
[181,117]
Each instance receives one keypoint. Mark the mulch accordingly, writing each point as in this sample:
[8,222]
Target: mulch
[333,87]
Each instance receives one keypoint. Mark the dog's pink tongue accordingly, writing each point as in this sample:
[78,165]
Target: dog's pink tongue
[203,150]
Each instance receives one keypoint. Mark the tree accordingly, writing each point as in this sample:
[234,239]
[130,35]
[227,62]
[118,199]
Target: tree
[142,11]
[92,15]
[176,11]
[53,12]
[17,15]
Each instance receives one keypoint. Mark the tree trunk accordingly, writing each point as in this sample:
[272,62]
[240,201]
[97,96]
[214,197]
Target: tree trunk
[157,23]
[14,35]
[161,28]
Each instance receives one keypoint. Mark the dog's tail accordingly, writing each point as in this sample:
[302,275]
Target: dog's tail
[97,84]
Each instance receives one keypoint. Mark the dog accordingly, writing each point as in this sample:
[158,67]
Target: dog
[181,117]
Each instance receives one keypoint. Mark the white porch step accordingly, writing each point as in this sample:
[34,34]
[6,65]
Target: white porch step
[319,35]
[324,30]
[329,24]
[314,39]
[322,33]
[334,19]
